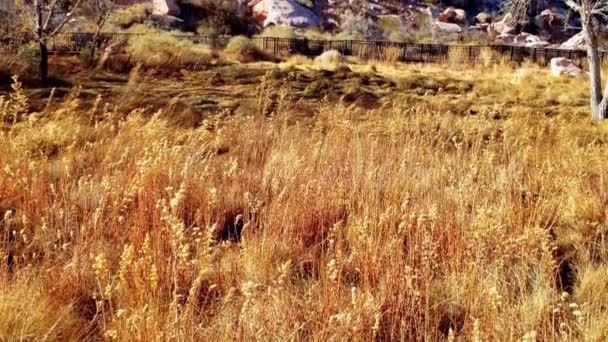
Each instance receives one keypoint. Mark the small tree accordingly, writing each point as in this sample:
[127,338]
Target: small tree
[100,11]
[591,11]
[45,23]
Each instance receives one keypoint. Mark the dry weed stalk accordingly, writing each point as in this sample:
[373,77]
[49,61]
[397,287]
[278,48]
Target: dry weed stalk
[425,219]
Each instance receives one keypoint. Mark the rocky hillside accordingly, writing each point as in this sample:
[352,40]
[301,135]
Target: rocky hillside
[548,23]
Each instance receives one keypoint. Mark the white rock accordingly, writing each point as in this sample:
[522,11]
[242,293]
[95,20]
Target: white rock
[561,66]
[165,7]
[330,57]
[448,27]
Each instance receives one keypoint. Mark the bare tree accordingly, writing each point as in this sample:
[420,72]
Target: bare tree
[591,13]
[45,23]
[100,11]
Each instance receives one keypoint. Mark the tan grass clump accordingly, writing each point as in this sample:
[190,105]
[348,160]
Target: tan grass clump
[29,313]
[278,32]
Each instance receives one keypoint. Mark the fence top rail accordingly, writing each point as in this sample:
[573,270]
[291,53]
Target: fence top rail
[337,42]
[221,40]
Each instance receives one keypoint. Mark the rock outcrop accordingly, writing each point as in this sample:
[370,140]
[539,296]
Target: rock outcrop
[284,12]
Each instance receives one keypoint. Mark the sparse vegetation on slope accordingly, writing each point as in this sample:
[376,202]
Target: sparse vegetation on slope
[163,50]
[428,217]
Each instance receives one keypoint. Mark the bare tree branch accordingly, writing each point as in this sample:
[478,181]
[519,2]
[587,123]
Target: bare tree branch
[67,18]
[573,5]
[50,9]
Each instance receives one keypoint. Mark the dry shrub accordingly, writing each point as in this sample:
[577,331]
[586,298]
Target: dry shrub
[489,56]
[163,50]
[12,65]
[432,217]
[458,55]
[316,34]
[244,50]
[278,32]
[390,54]
[298,60]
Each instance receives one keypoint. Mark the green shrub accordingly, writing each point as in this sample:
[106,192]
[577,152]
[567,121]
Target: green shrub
[393,29]
[30,54]
[129,16]
[161,49]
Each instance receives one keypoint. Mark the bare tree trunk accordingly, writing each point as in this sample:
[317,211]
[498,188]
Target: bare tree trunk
[595,73]
[44,61]
[44,53]
[94,44]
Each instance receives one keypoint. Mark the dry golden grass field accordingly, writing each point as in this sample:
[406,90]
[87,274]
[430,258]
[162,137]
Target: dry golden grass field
[295,202]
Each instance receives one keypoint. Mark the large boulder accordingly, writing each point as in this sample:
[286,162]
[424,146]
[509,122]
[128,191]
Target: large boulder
[561,66]
[284,12]
[576,42]
[453,15]
[165,7]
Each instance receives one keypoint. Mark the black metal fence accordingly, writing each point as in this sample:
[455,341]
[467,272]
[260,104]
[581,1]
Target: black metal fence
[377,50]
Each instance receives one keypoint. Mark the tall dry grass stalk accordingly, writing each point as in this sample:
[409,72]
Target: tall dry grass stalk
[413,221]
